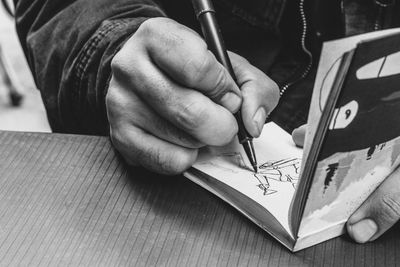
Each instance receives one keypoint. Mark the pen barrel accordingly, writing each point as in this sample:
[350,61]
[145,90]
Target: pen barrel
[215,43]
[205,13]
[243,134]
[214,40]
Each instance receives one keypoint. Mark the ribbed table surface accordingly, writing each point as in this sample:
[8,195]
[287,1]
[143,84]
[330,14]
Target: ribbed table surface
[70,200]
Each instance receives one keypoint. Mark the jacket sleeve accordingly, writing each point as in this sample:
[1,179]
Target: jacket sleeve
[69,45]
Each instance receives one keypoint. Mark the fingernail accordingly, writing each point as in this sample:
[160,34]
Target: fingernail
[231,101]
[259,120]
[363,231]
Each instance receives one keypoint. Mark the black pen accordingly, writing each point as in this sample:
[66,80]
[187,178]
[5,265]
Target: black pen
[205,14]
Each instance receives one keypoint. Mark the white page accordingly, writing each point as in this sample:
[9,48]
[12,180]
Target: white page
[279,161]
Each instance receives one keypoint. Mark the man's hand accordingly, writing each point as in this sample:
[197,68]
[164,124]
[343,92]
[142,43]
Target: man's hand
[168,96]
[378,213]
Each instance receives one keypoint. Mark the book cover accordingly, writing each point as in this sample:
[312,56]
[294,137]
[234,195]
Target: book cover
[304,197]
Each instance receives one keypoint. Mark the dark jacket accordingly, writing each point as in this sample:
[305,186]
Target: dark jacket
[69,45]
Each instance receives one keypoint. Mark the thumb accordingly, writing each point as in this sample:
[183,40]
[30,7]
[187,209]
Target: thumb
[260,94]
[378,213]
[299,134]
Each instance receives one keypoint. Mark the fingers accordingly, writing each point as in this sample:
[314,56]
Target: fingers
[143,138]
[188,110]
[378,213]
[299,135]
[184,57]
[260,94]
[131,110]
[139,147]
[169,95]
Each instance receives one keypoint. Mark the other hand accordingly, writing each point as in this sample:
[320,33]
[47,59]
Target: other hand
[168,96]
[378,213]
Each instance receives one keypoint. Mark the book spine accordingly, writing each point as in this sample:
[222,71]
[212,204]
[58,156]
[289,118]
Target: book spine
[303,187]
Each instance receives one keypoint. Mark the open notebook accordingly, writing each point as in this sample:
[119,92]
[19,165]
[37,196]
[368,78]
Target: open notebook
[304,197]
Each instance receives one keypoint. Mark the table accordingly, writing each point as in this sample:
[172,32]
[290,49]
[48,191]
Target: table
[70,200]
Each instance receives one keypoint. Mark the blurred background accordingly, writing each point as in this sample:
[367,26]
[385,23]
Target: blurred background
[30,115]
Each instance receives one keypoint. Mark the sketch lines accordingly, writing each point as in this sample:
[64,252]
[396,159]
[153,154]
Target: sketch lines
[284,170]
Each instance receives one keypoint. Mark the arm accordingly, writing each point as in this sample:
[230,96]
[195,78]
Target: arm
[69,46]
[163,93]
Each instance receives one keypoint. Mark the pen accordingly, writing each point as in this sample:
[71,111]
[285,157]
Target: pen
[205,14]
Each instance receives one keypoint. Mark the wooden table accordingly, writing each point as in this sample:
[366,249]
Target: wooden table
[70,200]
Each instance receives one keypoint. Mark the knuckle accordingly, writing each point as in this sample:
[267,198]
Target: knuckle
[111,97]
[197,67]
[220,86]
[160,32]
[117,62]
[115,100]
[150,27]
[111,104]
[192,115]
[121,64]
[130,52]
[390,207]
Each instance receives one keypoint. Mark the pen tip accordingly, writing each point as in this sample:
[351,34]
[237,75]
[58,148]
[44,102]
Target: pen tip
[255,168]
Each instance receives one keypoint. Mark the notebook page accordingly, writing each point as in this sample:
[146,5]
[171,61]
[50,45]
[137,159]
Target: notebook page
[279,162]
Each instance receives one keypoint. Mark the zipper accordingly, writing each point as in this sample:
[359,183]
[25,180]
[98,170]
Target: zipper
[307,69]
[382,7]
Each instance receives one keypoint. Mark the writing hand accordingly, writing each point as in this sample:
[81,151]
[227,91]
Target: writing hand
[168,96]
[378,213]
